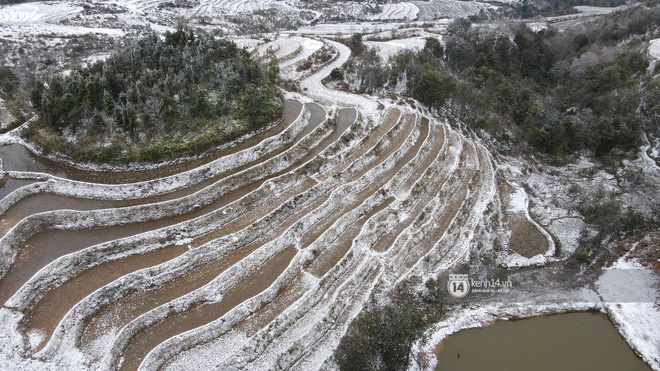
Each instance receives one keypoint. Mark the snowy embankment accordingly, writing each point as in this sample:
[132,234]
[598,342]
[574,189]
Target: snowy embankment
[233,239]
[319,246]
[217,7]
[360,245]
[335,201]
[308,47]
[37,12]
[144,242]
[434,9]
[64,268]
[41,18]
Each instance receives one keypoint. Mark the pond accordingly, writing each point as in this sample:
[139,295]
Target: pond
[573,341]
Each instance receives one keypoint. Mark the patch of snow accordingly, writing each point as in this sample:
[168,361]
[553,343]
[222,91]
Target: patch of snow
[638,324]
[567,230]
[386,49]
[597,10]
[654,53]
[35,338]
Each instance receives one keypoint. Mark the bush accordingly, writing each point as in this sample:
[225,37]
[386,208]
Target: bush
[433,89]
[381,339]
[336,74]
[9,82]
[610,222]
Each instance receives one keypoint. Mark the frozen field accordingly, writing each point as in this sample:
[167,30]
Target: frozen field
[398,11]
[214,7]
[37,12]
[389,48]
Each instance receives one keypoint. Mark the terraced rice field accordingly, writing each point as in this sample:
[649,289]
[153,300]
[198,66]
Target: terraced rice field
[398,11]
[255,257]
[435,9]
[37,13]
[214,7]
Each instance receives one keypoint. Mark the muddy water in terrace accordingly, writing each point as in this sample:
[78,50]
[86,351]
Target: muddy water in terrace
[52,307]
[391,119]
[116,315]
[48,202]
[126,308]
[574,341]
[18,158]
[261,279]
[130,307]
[50,310]
[8,185]
[44,247]
[387,239]
[450,209]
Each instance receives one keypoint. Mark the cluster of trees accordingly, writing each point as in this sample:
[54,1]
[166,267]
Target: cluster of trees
[14,97]
[609,221]
[9,82]
[560,92]
[381,338]
[157,98]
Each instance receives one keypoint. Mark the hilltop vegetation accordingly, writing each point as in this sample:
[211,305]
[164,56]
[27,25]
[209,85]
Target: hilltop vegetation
[156,99]
[560,92]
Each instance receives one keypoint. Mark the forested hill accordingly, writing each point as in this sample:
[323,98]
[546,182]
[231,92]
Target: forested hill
[156,99]
[587,89]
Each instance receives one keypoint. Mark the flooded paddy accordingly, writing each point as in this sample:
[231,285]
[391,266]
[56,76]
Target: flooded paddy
[8,185]
[250,286]
[573,341]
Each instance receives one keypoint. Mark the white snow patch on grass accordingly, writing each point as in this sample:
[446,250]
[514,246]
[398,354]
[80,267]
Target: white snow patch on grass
[654,53]
[567,230]
[386,49]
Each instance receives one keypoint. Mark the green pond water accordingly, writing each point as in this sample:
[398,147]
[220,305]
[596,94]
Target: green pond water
[574,341]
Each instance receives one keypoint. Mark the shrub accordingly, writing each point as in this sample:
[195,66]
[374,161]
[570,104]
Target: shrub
[9,82]
[381,339]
